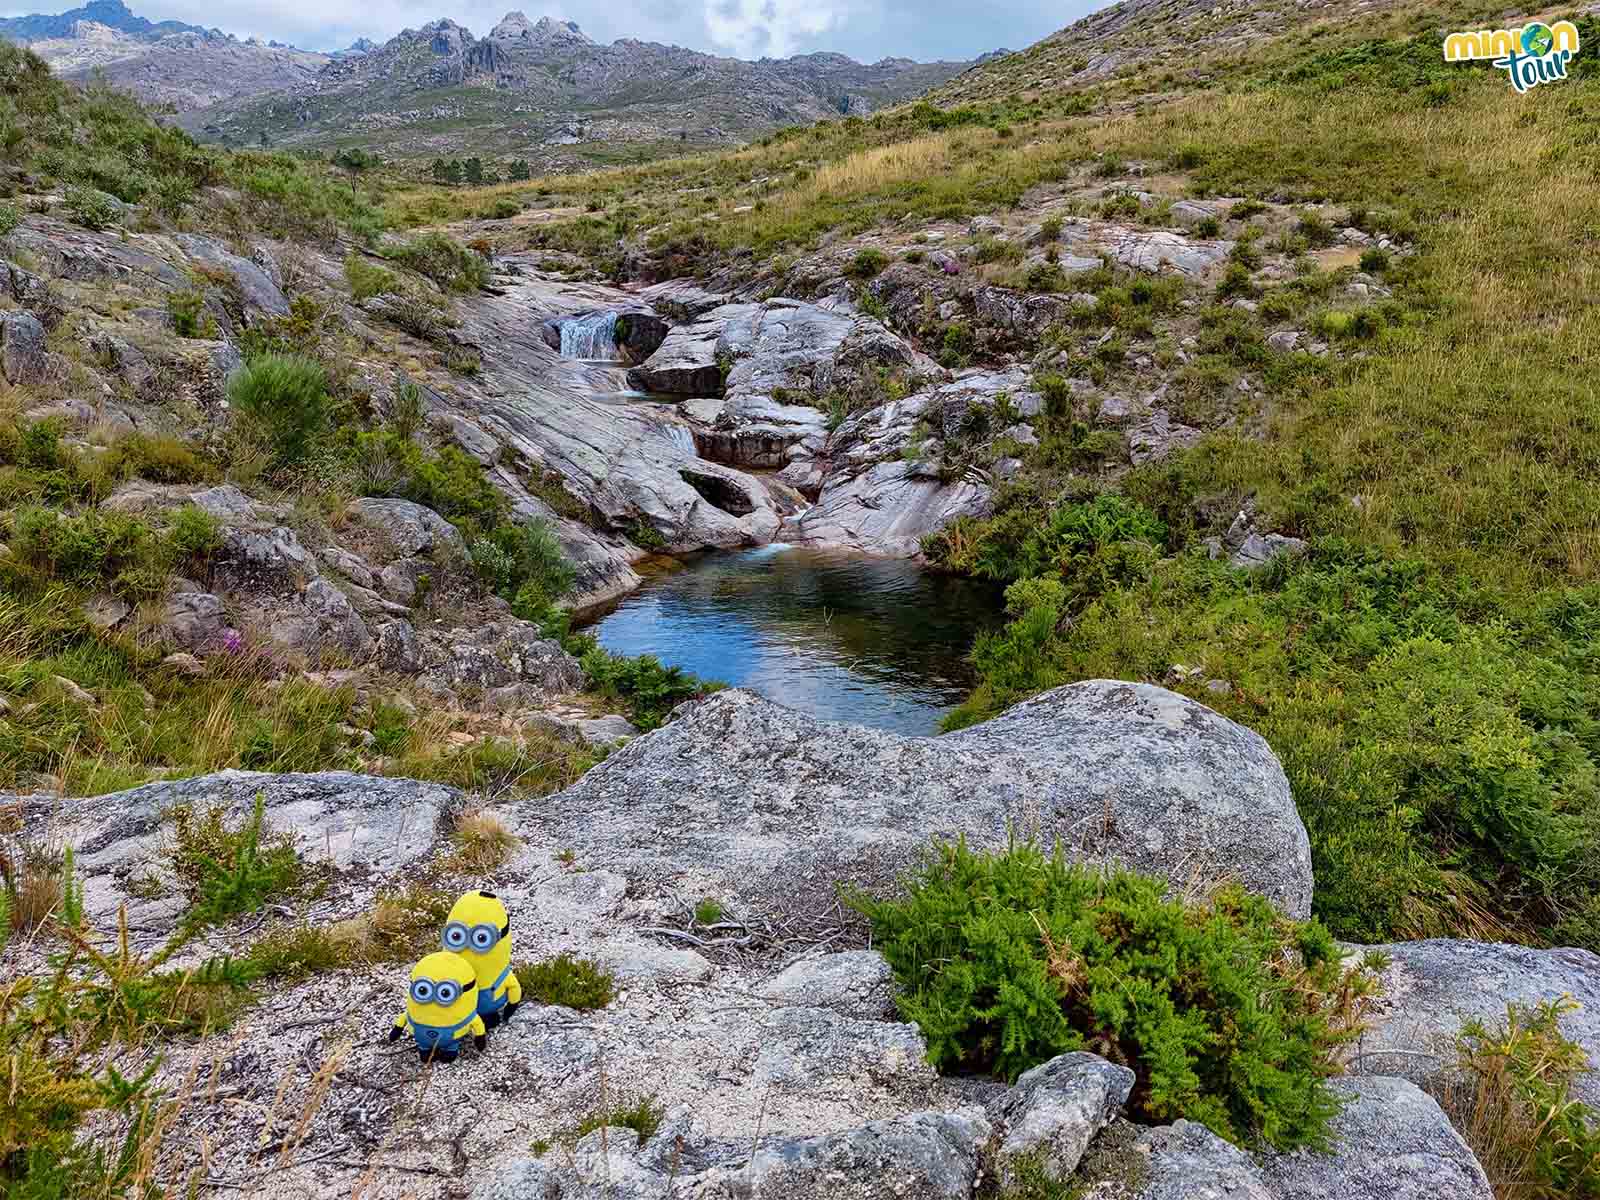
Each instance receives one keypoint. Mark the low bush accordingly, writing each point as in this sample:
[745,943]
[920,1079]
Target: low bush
[10,218]
[366,279]
[649,690]
[91,208]
[188,312]
[453,267]
[1512,1100]
[287,396]
[1228,1013]
[226,871]
[567,982]
[867,263]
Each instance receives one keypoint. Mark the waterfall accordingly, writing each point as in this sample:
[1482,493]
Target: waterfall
[591,336]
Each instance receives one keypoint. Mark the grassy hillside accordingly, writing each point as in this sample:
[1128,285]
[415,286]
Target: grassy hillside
[1427,671]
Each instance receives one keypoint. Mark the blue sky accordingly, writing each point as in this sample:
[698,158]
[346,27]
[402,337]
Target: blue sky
[863,29]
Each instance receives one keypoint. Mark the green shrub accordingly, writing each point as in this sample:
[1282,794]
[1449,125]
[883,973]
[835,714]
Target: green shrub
[91,208]
[651,691]
[525,564]
[90,549]
[642,1115]
[188,312]
[1050,229]
[366,279]
[1228,1013]
[226,871]
[568,982]
[451,266]
[10,218]
[287,395]
[1514,1105]
[1375,261]
[867,263]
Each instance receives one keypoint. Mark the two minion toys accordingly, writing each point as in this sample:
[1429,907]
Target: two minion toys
[465,989]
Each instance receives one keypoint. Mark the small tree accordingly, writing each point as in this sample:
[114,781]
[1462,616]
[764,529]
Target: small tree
[472,169]
[355,161]
[520,170]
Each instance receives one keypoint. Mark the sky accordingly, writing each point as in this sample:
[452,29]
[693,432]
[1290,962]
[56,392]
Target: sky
[864,29]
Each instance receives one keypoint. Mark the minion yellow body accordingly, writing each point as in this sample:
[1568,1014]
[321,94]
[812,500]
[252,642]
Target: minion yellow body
[441,1008]
[479,930]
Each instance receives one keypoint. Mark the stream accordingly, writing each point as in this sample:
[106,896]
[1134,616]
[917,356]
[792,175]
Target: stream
[870,641]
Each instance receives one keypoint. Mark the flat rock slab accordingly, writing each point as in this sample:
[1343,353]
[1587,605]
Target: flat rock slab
[1391,1142]
[779,807]
[381,824]
[1432,988]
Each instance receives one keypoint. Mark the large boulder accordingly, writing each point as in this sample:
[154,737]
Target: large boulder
[410,528]
[1390,1142]
[22,353]
[686,363]
[888,509]
[1432,988]
[781,807]
[322,620]
[258,295]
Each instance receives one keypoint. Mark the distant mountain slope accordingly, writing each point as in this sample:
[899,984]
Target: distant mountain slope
[113,14]
[545,91]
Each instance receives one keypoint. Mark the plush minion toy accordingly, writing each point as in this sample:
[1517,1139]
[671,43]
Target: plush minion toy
[479,930]
[441,1008]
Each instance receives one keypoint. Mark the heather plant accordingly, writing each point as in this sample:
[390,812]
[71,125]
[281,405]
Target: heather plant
[1227,1012]
[287,396]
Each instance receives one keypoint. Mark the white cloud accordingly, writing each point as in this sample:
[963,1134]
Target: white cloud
[774,28]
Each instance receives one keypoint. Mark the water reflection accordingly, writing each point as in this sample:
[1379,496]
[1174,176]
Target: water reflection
[875,642]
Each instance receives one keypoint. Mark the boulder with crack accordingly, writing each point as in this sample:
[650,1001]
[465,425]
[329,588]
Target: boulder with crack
[779,808]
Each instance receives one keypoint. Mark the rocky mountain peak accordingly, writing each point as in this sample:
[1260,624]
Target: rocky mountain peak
[547,31]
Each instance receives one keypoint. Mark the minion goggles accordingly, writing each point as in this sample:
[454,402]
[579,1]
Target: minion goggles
[439,991]
[479,938]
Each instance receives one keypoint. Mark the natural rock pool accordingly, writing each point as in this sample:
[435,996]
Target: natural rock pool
[871,641]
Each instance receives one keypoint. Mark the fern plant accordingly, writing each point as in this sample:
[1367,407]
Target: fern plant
[1228,1013]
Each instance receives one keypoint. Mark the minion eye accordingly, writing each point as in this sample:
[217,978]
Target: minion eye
[455,937]
[422,991]
[447,993]
[482,939]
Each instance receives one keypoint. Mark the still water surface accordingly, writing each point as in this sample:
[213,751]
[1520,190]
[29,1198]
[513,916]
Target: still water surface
[870,641]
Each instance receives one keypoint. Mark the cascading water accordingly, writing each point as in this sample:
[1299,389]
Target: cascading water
[593,336]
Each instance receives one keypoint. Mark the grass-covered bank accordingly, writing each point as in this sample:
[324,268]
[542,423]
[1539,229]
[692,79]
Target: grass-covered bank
[1427,673]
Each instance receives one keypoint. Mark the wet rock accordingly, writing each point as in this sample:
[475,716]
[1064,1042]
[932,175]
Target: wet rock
[1055,1110]
[1432,988]
[410,528]
[22,354]
[888,509]
[1391,1141]
[776,804]
[686,362]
